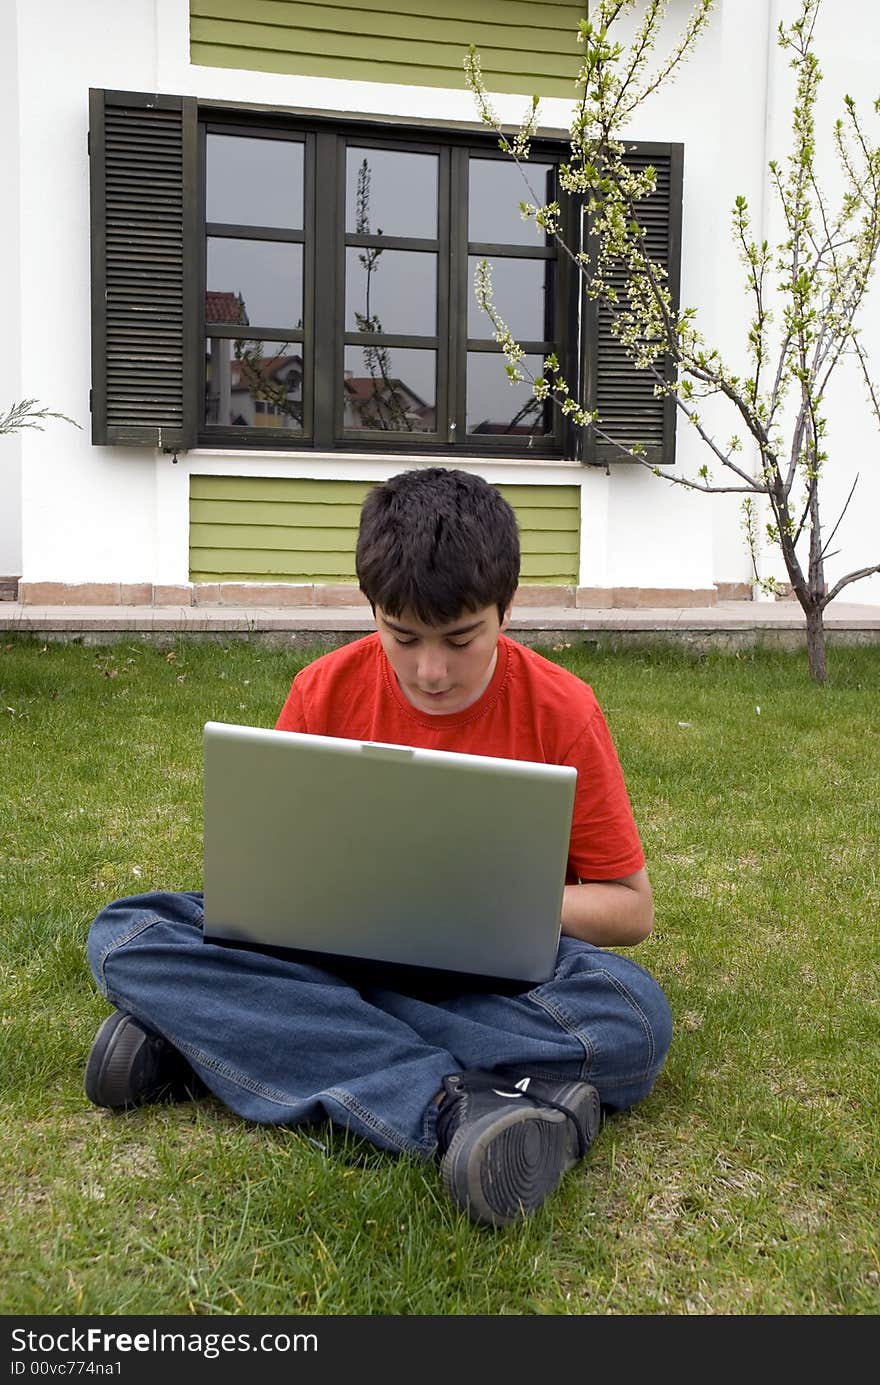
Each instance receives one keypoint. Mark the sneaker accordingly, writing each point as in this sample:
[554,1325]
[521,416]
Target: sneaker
[506,1145]
[129,1065]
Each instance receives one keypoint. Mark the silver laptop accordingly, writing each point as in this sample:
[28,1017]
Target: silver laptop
[361,850]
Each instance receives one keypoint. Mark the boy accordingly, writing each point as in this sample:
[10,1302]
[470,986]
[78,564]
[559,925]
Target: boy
[506,1088]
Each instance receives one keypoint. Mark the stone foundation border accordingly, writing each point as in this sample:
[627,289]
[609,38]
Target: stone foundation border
[282,595]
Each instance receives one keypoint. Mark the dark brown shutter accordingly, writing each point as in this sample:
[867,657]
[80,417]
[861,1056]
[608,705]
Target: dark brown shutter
[143,156]
[623,395]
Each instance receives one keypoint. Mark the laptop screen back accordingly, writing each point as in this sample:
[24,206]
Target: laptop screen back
[358,849]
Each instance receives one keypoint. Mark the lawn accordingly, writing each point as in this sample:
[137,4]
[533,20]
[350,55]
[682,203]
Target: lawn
[746,1184]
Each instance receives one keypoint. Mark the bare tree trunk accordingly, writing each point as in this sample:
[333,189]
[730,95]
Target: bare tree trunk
[810,590]
[816,643]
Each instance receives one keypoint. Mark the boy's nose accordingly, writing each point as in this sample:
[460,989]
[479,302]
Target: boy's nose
[432,667]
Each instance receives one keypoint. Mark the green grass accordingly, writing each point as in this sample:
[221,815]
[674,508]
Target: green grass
[746,1184]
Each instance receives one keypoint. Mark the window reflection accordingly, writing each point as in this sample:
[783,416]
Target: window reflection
[390,291]
[391,193]
[265,278]
[495,406]
[523,295]
[495,191]
[390,389]
[253,384]
[254,182]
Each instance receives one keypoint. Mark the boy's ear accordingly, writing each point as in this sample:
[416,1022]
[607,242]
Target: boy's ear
[506,621]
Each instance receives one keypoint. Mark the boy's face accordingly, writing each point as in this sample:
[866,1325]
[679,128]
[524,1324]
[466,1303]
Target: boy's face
[442,668]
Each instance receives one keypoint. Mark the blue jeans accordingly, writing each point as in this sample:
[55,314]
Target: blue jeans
[286,1043]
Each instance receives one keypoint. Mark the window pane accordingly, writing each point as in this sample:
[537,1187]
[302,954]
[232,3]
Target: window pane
[389,193]
[390,389]
[495,190]
[495,406]
[390,291]
[259,282]
[254,182]
[253,384]
[523,293]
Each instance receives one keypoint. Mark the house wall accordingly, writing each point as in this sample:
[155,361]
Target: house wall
[121,515]
[525,45]
[247,528]
[10,259]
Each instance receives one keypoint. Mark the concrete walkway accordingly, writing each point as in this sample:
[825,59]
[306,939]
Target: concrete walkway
[731,624]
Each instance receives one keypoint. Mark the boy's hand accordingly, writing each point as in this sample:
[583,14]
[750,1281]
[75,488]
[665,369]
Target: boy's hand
[609,913]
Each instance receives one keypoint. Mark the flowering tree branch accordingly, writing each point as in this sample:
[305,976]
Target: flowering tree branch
[807,290]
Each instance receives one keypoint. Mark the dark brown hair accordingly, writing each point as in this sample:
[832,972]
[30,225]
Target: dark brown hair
[437,542]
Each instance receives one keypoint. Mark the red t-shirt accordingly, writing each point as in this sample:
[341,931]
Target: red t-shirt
[531,710]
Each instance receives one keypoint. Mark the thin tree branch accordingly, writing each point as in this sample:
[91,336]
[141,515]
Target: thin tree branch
[25,414]
[845,581]
[695,24]
[863,362]
[639,58]
[841,515]
[676,480]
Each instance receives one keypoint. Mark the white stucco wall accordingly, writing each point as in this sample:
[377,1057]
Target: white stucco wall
[848,45]
[10,259]
[94,514]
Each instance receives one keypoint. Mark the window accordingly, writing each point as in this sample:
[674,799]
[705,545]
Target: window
[254,279]
[410,362]
[269,281]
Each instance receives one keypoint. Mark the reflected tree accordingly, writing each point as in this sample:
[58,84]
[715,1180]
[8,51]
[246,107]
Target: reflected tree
[262,386]
[386,407]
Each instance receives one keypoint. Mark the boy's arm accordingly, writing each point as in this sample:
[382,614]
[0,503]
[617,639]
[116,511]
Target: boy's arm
[609,913]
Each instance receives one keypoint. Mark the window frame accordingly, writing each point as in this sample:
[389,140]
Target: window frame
[325,141]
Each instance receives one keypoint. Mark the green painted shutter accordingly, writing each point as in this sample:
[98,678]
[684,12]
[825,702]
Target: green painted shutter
[142,152]
[526,46]
[257,529]
[624,396]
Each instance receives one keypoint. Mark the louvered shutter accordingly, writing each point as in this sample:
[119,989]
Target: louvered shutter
[143,159]
[624,396]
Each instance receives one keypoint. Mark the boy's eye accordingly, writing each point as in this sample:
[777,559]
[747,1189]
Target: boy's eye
[459,644]
[405,643]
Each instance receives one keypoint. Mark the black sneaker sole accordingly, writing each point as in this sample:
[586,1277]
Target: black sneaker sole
[501,1167]
[108,1070]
